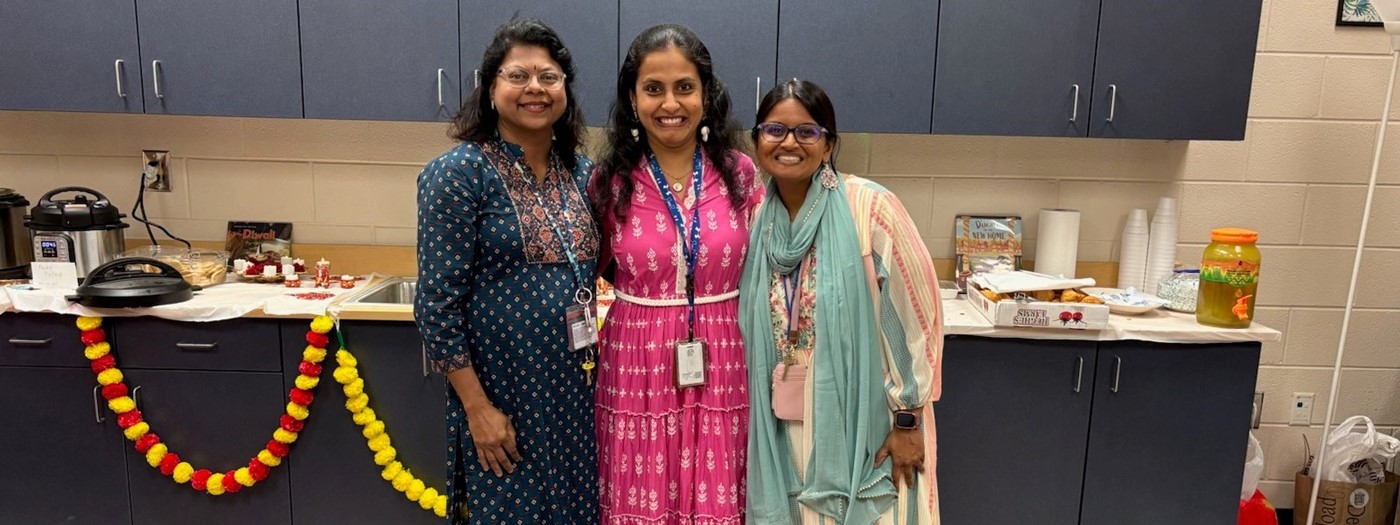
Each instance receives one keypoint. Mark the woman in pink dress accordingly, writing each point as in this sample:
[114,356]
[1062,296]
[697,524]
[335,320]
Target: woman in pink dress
[674,198]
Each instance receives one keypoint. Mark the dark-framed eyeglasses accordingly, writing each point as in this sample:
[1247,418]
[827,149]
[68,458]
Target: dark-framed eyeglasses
[520,77]
[777,132]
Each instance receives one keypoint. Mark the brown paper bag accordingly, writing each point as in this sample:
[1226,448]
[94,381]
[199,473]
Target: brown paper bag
[1346,503]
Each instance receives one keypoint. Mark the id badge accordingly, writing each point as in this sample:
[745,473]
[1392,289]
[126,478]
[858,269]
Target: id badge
[690,363]
[583,330]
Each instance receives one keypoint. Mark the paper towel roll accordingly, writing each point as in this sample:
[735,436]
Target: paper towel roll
[1132,259]
[1057,242]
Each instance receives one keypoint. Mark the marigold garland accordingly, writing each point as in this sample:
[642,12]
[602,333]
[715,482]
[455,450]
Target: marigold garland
[348,375]
[158,454]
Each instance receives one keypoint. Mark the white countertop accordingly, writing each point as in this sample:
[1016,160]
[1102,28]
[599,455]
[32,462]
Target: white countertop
[1161,325]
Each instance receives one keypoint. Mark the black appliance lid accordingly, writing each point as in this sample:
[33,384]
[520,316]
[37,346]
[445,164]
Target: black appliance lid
[126,283]
[11,199]
[88,210]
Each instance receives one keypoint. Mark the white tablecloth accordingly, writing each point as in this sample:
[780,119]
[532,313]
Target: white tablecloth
[1162,326]
[230,300]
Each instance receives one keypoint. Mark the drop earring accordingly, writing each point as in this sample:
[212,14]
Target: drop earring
[636,135]
[493,105]
[704,133]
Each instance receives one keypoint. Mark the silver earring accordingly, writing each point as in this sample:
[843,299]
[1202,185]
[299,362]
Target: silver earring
[493,105]
[636,135]
[704,133]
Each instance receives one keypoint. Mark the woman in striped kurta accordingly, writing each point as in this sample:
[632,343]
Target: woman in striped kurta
[794,141]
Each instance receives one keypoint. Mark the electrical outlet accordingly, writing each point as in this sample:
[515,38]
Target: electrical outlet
[1302,409]
[155,170]
[1258,409]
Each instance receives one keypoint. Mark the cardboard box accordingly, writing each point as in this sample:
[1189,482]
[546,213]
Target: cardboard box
[1037,314]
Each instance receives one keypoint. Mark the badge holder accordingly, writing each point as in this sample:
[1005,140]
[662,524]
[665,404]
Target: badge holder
[583,329]
[691,362]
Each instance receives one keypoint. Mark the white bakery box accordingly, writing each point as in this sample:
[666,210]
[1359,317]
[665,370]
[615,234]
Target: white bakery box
[1026,313]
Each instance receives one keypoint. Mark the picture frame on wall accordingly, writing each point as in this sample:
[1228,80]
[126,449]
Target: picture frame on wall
[1357,13]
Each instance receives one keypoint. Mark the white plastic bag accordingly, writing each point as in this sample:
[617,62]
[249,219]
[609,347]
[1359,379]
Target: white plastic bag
[1253,469]
[1345,447]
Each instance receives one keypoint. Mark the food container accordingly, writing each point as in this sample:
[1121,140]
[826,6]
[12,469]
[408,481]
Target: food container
[1026,310]
[203,268]
[1179,290]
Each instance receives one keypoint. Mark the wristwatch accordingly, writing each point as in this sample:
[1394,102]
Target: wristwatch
[906,419]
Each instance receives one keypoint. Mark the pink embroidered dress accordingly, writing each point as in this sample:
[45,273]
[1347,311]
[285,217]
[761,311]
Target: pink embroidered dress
[667,455]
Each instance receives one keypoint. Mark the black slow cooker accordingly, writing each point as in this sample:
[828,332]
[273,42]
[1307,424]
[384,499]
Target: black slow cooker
[15,251]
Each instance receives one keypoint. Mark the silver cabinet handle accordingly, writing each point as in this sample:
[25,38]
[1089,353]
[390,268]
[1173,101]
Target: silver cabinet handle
[136,395]
[1079,374]
[97,405]
[1074,114]
[155,78]
[201,347]
[425,360]
[1112,100]
[476,78]
[439,84]
[121,85]
[33,343]
[1117,371]
[757,93]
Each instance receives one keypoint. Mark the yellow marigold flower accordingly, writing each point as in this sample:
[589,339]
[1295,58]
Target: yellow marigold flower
[156,453]
[95,352]
[345,358]
[122,404]
[134,432]
[183,472]
[243,477]
[354,388]
[402,480]
[215,486]
[110,376]
[364,417]
[357,403]
[266,457]
[428,499]
[284,437]
[415,489]
[385,456]
[440,506]
[313,354]
[344,375]
[391,471]
[379,443]
[373,429]
[298,412]
[89,323]
[322,324]
[307,382]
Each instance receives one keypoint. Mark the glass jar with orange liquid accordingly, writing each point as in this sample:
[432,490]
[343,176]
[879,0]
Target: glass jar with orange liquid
[1229,279]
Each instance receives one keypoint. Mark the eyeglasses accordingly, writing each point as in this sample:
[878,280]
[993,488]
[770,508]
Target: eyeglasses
[777,132]
[519,77]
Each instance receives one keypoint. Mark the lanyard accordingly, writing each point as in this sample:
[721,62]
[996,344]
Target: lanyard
[693,248]
[792,291]
[581,295]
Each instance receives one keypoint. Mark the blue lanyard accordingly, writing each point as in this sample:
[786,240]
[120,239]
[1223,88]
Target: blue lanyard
[792,290]
[692,250]
[567,241]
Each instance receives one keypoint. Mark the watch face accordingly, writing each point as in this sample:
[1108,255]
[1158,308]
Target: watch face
[905,420]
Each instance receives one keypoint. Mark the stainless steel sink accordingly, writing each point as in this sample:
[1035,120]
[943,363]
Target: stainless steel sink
[392,291]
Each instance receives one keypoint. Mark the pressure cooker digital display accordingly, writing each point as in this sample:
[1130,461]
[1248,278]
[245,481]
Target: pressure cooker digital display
[48,249]
[52,248]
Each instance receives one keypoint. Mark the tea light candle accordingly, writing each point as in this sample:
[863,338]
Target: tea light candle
[288,269]
[269,271]
[293,281]
[240,265]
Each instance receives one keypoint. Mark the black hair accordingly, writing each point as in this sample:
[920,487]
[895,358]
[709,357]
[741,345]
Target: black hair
[477,120]
[624,152]
[813,98]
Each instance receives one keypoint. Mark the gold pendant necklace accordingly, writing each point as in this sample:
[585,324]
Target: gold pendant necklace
[677,187]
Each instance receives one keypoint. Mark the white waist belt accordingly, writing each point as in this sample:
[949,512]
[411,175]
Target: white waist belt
[708,299]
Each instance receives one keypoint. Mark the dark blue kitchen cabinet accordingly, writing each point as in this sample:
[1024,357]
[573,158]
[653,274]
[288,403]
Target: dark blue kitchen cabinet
[207,57]
[331,459]
[1174,69]
[875,62]
[31,339]
[1014,414]
[63,450]
[588,29]
[70,55]
[740,35]
[361,60]
[1018,67]
[1169,433]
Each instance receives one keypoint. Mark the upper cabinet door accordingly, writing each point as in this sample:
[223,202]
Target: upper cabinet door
[1174,69]
[588,29]
[1016,67]
[74,55]
[875,61]
[740,34]
[363,61]
[209,57]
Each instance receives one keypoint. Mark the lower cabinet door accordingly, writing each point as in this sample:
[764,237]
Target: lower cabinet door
[61,453]
[336,479]
[218,421]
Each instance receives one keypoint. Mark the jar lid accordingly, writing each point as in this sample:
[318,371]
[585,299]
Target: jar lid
[1234,235]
